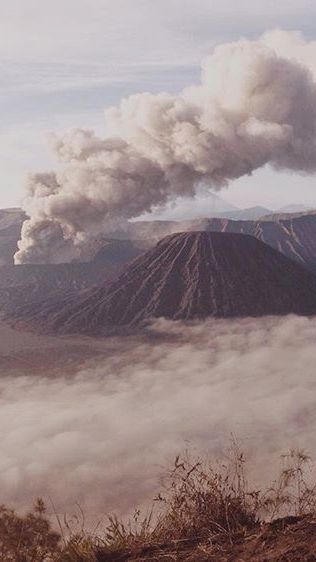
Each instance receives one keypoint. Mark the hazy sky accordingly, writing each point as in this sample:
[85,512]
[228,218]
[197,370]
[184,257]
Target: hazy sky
[63,62]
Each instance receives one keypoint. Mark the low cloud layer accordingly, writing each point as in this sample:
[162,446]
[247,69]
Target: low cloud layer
[255,105]
[103,436]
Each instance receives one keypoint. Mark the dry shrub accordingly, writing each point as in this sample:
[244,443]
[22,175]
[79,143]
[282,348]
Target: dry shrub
[214,503]
[203,502]
[29,538]
[200,503]
[294,492]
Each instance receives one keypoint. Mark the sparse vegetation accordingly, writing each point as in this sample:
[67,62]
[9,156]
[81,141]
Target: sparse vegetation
[29,538]
[204,512]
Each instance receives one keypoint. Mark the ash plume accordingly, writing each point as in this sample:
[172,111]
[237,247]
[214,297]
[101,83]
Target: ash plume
[255,104]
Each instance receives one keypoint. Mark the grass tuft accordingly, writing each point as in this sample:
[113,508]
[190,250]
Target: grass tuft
[201,505]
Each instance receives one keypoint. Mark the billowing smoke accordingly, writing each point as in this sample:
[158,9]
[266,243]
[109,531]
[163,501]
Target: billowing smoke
[103,436]
[255,104]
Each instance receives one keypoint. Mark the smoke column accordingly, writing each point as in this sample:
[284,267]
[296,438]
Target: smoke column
[255,104]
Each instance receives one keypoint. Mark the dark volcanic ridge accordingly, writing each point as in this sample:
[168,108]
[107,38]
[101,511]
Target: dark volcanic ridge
[23,284]
[294,237]
[293,234]
[186,276]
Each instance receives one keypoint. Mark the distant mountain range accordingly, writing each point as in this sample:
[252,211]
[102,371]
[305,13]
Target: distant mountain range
[295,238]
[192,210]
[277,216]
[292,234]
[11,222]
[185,276]
[187,208]
[251,213]
[294,208]
[214,206]
[103,259]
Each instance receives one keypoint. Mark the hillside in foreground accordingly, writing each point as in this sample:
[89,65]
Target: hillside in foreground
[205,513]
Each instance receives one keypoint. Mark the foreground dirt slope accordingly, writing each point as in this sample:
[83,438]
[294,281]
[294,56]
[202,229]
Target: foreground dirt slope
[292,539]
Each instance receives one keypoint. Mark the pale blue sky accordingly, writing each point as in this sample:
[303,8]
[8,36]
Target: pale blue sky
[63,62]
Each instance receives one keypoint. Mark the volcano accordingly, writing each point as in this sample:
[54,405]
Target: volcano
[188,276]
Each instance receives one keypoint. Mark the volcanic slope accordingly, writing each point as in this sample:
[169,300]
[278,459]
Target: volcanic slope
[294,237]
[27,283]
[186,276]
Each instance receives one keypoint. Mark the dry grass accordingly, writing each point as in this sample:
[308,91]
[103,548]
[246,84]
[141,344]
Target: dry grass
[29,538]
[200,504]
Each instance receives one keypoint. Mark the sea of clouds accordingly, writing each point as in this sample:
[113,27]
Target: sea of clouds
[102,437]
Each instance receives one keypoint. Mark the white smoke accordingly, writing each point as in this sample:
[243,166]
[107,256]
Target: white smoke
[103,436]
[255,104]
